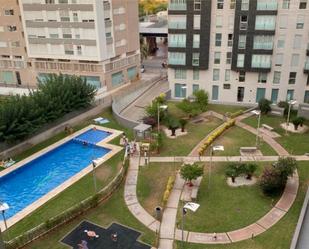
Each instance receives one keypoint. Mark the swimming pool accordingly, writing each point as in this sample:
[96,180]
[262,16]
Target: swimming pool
[28,183]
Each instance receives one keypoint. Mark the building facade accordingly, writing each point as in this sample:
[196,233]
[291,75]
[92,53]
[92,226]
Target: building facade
[239,51]
[95,39]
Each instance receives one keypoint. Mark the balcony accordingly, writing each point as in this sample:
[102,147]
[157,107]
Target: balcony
[121,63]
[11,64]
[176,61]
[177,6]
[67,66]
[177,44]
[177,25]
[306,68]
[271,5]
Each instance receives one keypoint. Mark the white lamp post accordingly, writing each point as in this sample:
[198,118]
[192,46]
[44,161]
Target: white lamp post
[291,102]
[212,149]
[257,113]
[188,206]
[3,207]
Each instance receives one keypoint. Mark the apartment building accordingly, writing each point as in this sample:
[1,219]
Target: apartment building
[239,51]
[95,39]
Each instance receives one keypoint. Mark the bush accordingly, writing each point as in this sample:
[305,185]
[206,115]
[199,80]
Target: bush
[236,114]
[264,106]
[168,189]
[183,123]
[189,108]
[173,124]
[201,99]
[150,121]
[249,169]
[233,170]
[271,181]
[296,122]
[190,172]
[302,121]
[285,105]
[286,166]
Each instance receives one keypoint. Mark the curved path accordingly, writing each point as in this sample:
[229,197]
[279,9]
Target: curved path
[167,228]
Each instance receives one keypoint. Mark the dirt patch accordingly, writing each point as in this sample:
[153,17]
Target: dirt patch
[105,171]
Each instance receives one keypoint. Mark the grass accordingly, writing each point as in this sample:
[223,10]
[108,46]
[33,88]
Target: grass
[152,183]
[296,144]
[236,137]
[224,208]
[114,210]
[222,109]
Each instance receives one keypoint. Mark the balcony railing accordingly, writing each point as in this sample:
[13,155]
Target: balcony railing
[117,64]
[175,61]
[267,5]
[16,64]
[108,23]
[177,25]
[67,66]
[177,6]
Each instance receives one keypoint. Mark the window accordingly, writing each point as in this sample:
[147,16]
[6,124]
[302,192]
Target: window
[260,94]
[242,76]
[303,4]
[226,86]
[64,16]
[196,40]
[215,93]
[195,59]
[217,58]
[277,76]
[15,44]
[265,22]
[279,59]
[231,22]
[180,74]
[228,57]
[264,42]
[68,49]
[49,1]
[75,17]
[232,4]
[218,21]
[267,5]
[300,22]
[230,40]
[66,33]
[216,74]
[306,97]
[79,49]
[7,77]
[245,5]
[290,95]
[177,22]
[283,21]
[285,4]
[242,41]
[53,36]
[197,4]
[297,41]
[117,78]
[220,4]
[243,23]
[261,61]
[3,44]
[177,5]
[1,29]
[11,28]
[63,1]
[274,95]
[177,40]
[195,87]
[9,12]
[218,39]
[196,74]
[292,78]
[197,22]
[227,74]
[176,58]
[180,90]
[281,41]
[262,78]
[240,60]
[295,60]
[240,94]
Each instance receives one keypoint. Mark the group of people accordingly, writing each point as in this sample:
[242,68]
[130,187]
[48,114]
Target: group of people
[7,163]
[130,146]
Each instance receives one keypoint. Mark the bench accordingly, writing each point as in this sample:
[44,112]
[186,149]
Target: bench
[248,149]
[276,113]
[267,127]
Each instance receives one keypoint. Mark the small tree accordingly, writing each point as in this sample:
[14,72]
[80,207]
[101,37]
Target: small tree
[264,105]
[271,181]
[249,170]
[173,125]
[201,99]
[183,123]
[191,172]
[233,170]
[286,167]
[296,122]
[150,121]
[302,121]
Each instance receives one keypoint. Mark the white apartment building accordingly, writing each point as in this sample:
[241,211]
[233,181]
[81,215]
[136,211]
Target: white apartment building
[239,51]
[96,39]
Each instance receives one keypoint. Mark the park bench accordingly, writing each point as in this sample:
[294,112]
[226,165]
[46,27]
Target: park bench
[248,149]
[276,113]
[267,127]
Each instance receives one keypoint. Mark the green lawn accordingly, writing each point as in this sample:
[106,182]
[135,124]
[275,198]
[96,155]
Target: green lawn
[152,184]
[224,208]
[296,144]
[114,210]
[222,109]
[236,137]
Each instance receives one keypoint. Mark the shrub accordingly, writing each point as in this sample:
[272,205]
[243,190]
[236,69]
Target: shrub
[296,122]
[286,166]
[150,121]
[271,181]
[302,121]
[201,99]
[169,186]
[249,169]
[183,123]
[232,171]
[190,172]
[236,114]
[173,124]
[189,108]
[285,105]
[264,105]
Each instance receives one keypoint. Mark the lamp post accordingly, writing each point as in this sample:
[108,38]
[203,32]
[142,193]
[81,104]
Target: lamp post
[291,102]
[94,164]
[257,113]
[3,207]
[188,206]
[212,149]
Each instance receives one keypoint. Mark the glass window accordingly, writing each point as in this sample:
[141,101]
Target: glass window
[243,23]
[196,59]
[230,40]
[306,97]
[264,42]
[265,22]
[177,40]
[290,95]
[240,94]
[283,21]
[228,57]
[260,94]
[217,58]
[180,90]
[277,76]
[297,41]
[267,5]
[245,5]
[196,40]
[232,4]
[195,87]
[295,60]
[240,60]
[218,39]
[216,75]
[180,74]
[285,4]
[274,95]
[177,5]
[220,4]
[177,22]
[242,76]
[281,41]
[261,61]
[176,58]
[197,4]
[279,59]
[242,41]
[196,74]
[300,22]
[7,77]
[197,22]
[292,78]
[227,74]
[117,78]
[218,21]
[262,78]
[226,86]
[215,93]
[303,4]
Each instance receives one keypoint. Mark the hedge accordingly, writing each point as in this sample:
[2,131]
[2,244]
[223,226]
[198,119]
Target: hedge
[169,186]
[215,134]
[68,214]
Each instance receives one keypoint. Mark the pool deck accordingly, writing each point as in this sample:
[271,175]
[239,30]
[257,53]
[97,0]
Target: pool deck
[114,149]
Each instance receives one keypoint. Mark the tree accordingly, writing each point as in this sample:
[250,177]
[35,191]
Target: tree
[296,122]
[183,123]
[271,181]
[191,172]
[233,170]
[286,166]
[201,99]
[189,107]
[285,105]
[173,124]
[249,169]
[264,105]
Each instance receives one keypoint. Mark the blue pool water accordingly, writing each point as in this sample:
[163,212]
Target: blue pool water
[93,136]
[25,185]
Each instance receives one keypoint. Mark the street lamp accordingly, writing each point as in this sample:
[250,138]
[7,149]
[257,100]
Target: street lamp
[94,164]
[3,207]
[188,206]
[257,113]
[212,149]
[291,102]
